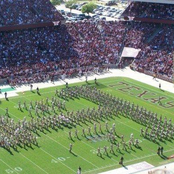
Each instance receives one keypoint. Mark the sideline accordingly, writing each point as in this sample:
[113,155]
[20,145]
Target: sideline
[126,72]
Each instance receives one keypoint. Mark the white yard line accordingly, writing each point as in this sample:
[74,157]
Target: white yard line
[68,150]
[33,163]
[9,113]
[113,73]
[8,166]
[118,121]
[140,158]
[97,168]
[56,159]
[62,145]
[85,143]
[93,147]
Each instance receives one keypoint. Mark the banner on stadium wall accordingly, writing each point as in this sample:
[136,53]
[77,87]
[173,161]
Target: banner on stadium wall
[130,52]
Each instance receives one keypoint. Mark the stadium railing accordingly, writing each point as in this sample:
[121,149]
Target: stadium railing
[27,26]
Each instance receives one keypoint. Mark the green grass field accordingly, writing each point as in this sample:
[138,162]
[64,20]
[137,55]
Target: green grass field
[53,156]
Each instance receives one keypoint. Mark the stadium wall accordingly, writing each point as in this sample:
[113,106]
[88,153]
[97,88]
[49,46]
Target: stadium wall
[163,21]
[162,77]
[27,26]
[155,1]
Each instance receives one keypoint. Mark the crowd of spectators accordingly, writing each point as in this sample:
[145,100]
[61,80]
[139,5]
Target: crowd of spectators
[150,10]
[138,33]
[157,56]
[15,12]
[98,41]
[35,55]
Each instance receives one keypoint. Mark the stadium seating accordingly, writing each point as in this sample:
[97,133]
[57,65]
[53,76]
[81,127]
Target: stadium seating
[83,44]
[157,56]
[20,12]
[38,54]
[150,10]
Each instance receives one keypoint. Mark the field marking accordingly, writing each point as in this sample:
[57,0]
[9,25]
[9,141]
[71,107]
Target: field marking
[138,131]
[20,96]
[8,165]
[126,161]
[82,105]
[132,83]
[91,147]
[106,166]
[33,163]
[10,113]
[146,101]
[82,157]
[117,120]
[59,160]
[96,149]
[41,149]
[68,150]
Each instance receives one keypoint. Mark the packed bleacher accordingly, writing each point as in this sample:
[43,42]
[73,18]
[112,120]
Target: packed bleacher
[150,10]
[27,12]
[38,54]
[41,54]
[98,42]
[157,56]
[27,53]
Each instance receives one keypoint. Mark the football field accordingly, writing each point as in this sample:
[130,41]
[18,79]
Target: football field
[52,155]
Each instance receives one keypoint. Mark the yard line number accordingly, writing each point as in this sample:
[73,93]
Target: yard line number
[15,170]
[59,159]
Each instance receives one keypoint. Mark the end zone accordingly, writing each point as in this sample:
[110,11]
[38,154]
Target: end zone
[131,168]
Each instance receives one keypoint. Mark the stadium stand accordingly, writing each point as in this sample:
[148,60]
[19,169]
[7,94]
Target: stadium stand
[157,56]
[27,52]
[150,10]
[42,53]
[20,12]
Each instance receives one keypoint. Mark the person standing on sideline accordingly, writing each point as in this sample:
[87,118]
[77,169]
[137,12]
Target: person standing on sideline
[31,87]
[37,89]
[159,85]
[66,84]
[95,81]
[5,95]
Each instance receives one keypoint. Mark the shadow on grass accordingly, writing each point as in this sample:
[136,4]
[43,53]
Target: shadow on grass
[101,156]
[8,150]
[124,166]
[139,147]
[163,157]
[120,152]
[74,154]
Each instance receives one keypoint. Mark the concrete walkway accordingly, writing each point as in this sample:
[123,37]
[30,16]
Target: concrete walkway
[127,72]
